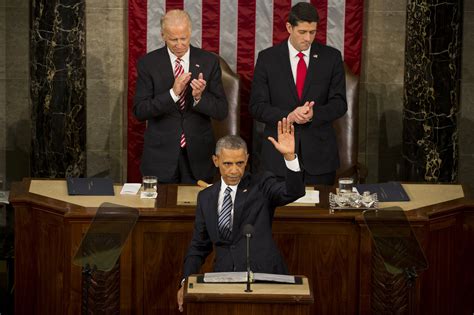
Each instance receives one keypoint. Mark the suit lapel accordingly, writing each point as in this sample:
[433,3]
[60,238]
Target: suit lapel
[240,198]
[194,63]
[312,68]
[212,205]
[286,68]
[168,71]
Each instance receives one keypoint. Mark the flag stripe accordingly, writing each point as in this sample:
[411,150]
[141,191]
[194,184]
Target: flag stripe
[322,7]
[281,8]
[137,42]
[156,9]
[210,23]
[335,24]
[228,33]
[263,26]
[353,34]
[194,8]
[174,4]
[245,62]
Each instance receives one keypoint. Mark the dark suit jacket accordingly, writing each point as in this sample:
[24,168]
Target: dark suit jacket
[274,96]
[255,202]
[153,103]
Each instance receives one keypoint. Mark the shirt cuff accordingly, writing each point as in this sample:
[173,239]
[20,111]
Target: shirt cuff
[293,165]
[173,96]
[196,102]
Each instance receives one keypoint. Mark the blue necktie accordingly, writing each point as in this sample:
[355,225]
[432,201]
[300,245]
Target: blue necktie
[223,222]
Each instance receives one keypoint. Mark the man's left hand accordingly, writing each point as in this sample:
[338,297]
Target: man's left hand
[198,85]
[286,139]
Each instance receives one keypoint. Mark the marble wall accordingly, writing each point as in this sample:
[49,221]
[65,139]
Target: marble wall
[432,90]
[466,117]
[381,89]
[106,38]
[58,88]
[15,115]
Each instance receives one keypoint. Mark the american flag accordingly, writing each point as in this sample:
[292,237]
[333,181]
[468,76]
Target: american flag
[236,30]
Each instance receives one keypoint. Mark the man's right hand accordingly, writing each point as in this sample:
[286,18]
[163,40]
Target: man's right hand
[302,114]
[180,298]
[181,82]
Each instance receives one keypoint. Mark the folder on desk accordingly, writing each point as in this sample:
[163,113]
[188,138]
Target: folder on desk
[386,192]
[90,186]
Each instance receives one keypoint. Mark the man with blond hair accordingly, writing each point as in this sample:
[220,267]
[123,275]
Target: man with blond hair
[178,91]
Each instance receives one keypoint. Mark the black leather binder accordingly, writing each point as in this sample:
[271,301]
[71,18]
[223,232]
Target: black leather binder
[90,186]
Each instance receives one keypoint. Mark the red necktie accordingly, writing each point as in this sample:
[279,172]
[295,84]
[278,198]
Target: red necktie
[300,74]
[178,70]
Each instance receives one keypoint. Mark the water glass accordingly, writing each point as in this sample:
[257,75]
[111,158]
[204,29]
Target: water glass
[150,184]
[345,185]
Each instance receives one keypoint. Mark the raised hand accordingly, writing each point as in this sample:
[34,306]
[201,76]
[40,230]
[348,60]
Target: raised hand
[286,139]
[198,86]
[181,82]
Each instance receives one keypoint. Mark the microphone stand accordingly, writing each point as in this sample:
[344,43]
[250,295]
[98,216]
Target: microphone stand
[247,236]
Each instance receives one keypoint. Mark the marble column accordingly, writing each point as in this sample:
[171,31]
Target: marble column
[58,88]
[432,90]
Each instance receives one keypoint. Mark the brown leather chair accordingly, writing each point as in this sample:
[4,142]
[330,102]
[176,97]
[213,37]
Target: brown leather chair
[347,132]
[231,83]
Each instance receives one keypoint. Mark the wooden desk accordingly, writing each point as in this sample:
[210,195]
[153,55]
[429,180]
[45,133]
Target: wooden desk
[231,298]
[334,250]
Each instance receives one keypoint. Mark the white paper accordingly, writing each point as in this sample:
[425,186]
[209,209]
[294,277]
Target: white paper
[226,277]
[272,277]
[241,276]
[4,195]
[147,195]
[312,196]
[130,189]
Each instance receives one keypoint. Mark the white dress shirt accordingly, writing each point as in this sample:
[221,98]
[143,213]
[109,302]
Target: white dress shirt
[294,59]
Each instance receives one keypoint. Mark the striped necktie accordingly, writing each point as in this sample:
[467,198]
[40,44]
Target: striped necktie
[178,70]
[223,222]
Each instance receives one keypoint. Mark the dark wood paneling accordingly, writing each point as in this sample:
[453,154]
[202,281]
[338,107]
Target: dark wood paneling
[438,288]
[326,254]
[466,272]
[247,309]
[335,251]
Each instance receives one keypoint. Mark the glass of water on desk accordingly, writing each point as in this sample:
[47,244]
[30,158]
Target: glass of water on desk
[150,184]
[345,185]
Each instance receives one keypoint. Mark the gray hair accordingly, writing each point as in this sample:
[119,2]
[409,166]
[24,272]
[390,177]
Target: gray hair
[231,142]
[175,17]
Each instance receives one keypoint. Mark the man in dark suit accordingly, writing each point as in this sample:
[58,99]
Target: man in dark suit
[237,200]
[305,82]
[178,91]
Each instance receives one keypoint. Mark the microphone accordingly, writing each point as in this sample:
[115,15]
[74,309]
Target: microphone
[247,232]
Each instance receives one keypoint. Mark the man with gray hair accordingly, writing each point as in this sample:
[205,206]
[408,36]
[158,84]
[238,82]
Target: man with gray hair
[239,199]
[178,91]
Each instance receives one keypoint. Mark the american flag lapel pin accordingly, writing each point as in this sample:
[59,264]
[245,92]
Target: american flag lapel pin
[245,190]
[197,66]
[315,56]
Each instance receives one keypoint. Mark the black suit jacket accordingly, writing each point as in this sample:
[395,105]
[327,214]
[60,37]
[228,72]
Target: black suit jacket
[153,103]
[274,96]
[255,202]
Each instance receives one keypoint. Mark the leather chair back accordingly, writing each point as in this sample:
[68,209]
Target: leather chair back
[347,127]
[231,83]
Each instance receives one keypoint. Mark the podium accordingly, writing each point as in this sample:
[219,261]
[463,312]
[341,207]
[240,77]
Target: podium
[231,298]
